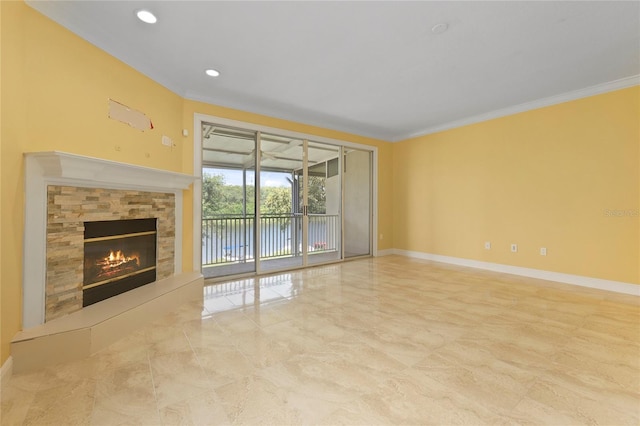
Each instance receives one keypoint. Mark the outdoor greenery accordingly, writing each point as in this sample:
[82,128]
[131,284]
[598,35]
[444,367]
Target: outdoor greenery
[219,198]
[275,200]
[317,195]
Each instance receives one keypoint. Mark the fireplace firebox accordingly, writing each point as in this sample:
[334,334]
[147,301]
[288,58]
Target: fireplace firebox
[119,255]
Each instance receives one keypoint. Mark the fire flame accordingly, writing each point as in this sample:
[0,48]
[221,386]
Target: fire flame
[118,258]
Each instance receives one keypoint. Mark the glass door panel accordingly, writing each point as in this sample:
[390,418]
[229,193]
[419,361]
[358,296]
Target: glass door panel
[357,202]
[314,203]
[323,189]
[281,213]
[228,201]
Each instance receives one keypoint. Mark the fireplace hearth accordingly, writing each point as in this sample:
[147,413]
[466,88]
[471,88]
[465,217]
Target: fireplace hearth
[63,192]
[119,255]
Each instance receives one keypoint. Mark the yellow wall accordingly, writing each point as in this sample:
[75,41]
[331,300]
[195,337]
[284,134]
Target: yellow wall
[55,92]
[12,130]
[542,178]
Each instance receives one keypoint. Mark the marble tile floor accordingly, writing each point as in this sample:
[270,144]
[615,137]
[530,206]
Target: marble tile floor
[390,340]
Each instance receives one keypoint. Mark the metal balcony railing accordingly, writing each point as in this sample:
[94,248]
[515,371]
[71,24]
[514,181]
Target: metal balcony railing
[230,238]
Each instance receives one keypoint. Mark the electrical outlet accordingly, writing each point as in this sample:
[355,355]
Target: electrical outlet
[543,251]
[487,245]
[166,141]
[381,237]
[514,248]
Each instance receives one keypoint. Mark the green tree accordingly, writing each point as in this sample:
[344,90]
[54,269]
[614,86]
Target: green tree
[276,200]
[218,198]
[317,195]
[211,189]
[221,199]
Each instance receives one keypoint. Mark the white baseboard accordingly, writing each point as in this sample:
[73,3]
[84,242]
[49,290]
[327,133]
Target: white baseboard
[385,252]
[6,370]
[597,283]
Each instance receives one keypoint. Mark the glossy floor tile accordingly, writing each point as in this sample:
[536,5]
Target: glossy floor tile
[382,341]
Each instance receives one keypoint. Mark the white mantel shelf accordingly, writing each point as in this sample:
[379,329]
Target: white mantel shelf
[95,171]
[61,168]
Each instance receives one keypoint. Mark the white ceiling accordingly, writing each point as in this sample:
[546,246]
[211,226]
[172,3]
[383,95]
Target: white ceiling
[370,68]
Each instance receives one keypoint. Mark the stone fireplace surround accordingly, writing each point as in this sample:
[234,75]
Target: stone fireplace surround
[69,207]
[92,189]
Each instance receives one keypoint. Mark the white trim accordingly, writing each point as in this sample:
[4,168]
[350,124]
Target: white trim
[374,203]
[257,241]
[60,168]
[199,118]
[6,370]
[598,89]
[92,171]
[341,163]
[597,283]
[386,252]
[177,234]
[196,196]
[305,200]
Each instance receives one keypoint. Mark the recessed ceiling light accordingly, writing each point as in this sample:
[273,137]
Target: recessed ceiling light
[440,28]
[146,16]
[212,73]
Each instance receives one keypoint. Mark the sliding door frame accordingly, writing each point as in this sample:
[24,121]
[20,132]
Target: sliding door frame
[198,121]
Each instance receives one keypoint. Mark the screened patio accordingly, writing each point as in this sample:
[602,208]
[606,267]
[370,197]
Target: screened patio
[282,229]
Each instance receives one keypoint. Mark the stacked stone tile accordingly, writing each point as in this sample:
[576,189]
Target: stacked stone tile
[67,210]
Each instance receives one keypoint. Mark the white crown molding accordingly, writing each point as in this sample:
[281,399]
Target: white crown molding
[582,281]
[598,89]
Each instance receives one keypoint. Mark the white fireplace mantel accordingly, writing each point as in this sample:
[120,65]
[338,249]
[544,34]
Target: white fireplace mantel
[60,168]
[79,169]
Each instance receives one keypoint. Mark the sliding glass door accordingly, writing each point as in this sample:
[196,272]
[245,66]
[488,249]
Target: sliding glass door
[228,201]
[281,203]
[357,203]
[273,202]
[323,201]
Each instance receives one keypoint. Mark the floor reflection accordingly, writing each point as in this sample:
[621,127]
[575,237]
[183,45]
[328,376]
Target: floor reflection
[249,292]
